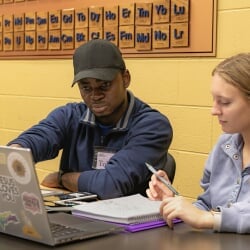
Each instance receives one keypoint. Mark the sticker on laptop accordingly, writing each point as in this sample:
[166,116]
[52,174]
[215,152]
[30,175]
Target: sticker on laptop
[28,229]
[6,218]
[19,168]
[8,188]
[31,203]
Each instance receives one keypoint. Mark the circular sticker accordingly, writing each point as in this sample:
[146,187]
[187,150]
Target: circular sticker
[19,168]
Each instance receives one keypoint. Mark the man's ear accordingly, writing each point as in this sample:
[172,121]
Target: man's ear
[126,78]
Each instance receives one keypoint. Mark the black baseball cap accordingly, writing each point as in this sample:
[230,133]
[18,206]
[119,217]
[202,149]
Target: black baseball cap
[99,59]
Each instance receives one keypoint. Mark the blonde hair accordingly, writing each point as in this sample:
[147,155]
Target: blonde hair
[235,70]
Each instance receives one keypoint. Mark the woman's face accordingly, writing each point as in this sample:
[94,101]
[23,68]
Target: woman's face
[231,106]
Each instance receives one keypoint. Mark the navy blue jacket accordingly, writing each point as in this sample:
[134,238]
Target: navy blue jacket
[142,135]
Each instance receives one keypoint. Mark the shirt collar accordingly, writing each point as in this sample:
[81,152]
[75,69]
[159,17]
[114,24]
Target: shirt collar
[89,118]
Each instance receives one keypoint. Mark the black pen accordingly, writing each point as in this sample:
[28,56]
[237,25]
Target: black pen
[164,181]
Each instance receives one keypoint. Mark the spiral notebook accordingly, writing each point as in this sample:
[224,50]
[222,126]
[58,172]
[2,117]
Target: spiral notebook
[136,212]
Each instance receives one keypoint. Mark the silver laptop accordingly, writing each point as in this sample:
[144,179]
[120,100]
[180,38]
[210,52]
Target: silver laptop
[22,211]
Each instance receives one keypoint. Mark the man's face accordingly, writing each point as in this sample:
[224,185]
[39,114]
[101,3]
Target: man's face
[107,100]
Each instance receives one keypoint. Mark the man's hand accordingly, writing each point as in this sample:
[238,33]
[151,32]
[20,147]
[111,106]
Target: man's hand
[15,146]
[69,181]
[51,180]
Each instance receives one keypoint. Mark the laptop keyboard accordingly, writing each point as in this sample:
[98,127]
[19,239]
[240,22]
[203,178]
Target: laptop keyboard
[61,230]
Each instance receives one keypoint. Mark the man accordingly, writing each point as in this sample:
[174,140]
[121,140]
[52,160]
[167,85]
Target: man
[106,140]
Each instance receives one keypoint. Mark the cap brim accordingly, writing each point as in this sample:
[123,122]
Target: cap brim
[107,74]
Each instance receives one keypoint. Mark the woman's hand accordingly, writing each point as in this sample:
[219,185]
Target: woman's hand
[178,207]
[157,190]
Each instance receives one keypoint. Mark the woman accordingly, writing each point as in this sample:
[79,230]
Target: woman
[225,203]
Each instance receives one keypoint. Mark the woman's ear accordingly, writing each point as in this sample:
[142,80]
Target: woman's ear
[126,78]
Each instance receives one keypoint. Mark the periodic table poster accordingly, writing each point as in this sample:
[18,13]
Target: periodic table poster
[140,28]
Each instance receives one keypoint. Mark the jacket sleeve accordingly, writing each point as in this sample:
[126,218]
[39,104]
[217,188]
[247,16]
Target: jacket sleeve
[46,138]
[236,218]
[148,140]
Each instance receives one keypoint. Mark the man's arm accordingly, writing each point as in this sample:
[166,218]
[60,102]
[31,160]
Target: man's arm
[46,138]
[67,180]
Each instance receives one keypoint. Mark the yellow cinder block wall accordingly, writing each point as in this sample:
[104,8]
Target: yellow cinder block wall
[178,87]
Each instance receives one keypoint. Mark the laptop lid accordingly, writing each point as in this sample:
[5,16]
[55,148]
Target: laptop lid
[22,211]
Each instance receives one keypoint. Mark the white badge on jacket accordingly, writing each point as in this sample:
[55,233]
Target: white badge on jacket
[101,156]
